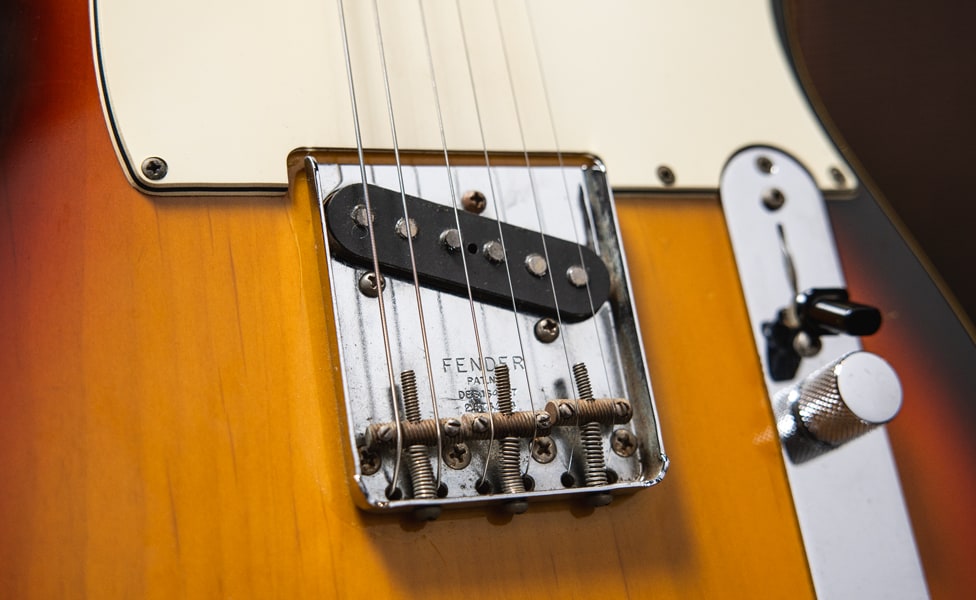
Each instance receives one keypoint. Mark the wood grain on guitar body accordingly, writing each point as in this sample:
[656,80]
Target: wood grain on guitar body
[284,281]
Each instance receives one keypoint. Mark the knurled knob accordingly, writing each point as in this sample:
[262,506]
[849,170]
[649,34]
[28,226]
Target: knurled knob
[836,404]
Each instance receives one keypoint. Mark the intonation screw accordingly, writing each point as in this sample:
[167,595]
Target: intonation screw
[510,458]
[594,465]
[418,463]
[474,201]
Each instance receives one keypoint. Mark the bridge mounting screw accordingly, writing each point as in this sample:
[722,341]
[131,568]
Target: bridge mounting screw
[367,284]
[457,456]
[623,443]
[546,330]
[474,201]
[154,168]
[369,461]
[543,450]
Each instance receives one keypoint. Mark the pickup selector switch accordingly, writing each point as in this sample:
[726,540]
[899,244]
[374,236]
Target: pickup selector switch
[836,404]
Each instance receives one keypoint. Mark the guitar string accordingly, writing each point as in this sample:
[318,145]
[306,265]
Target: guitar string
[569,205]
[538,211]
[372,242]
[407,224]
[457,220]
[495,207]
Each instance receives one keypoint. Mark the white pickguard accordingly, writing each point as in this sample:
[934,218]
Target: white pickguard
[222,90]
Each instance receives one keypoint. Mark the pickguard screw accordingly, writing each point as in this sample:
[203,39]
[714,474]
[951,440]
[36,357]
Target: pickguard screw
[474,201]
[401,228]
[536,264]
[765,165]
[359,216]
[623,443]
[838,176]
[666,175]
[457,456]
[369,461]
[577,276]
[546,330]
[367,284]
[154,168]
[543,450]
[494,252]
[773,199]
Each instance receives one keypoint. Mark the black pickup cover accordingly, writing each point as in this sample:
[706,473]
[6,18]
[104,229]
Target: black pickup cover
[439,268]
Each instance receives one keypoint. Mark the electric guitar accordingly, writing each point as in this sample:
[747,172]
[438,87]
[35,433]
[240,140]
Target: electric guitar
[196,373]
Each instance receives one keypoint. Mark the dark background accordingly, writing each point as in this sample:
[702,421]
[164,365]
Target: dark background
[898,81]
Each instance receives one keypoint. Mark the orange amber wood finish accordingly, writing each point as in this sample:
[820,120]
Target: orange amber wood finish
[167,409]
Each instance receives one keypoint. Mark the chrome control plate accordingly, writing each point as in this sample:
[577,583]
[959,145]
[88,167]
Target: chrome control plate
[573,204]
[849,503]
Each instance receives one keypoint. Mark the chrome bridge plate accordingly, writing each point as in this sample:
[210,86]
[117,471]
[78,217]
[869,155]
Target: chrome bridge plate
[572,204]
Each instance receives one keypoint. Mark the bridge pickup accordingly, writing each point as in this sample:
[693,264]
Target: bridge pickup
[581,280]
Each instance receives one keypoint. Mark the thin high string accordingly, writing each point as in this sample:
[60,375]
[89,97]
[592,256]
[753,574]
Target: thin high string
[457,221]
[372,243]
[535,204]
[494,203]
[569,203]
[406,218]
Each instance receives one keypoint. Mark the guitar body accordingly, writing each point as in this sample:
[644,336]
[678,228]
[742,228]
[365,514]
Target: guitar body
[168,409]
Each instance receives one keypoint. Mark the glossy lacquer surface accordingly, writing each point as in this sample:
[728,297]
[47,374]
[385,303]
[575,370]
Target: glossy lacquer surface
[168,422]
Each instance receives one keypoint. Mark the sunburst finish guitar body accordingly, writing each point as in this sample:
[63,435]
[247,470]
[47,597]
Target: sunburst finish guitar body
[171,375]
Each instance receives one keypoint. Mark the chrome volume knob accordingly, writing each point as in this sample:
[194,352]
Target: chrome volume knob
[841,401]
